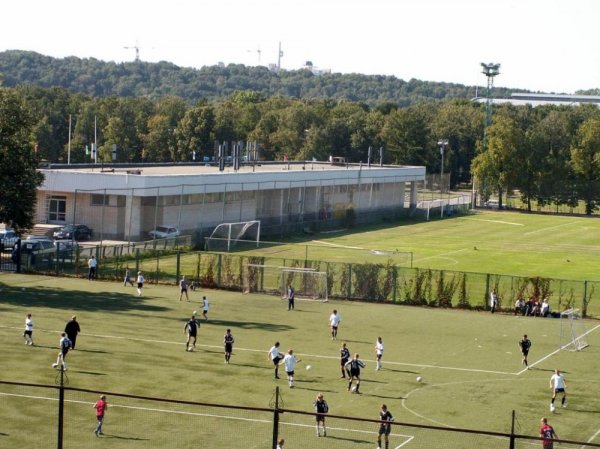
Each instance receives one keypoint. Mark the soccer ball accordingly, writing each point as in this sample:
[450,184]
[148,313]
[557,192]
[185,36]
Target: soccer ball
[552,408]
[195,312]
[419,378]
[308,367]
[353,389]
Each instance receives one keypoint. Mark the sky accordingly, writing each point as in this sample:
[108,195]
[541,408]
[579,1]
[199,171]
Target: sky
[542,45]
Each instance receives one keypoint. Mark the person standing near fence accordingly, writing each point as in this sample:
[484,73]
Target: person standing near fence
[228,341]
[100,407]
[385,428]
[92,266]
[183,288]
[344,357]
[140,283]
[493,300]
[275,356]
[547,434]
[127,278]
[64,344]
[334,322]
[72,329]
[291,295]
[525,344]
[322,409]
[28,332]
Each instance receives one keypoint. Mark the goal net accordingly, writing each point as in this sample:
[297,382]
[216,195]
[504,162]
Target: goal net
[308,283]
[227,236]
[573,335]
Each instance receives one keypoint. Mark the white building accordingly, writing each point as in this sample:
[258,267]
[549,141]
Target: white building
[125,202]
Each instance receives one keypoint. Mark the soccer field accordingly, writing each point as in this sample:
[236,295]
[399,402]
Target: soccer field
[469,361]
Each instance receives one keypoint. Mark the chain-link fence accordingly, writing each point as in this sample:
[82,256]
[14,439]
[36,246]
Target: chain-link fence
[63,417]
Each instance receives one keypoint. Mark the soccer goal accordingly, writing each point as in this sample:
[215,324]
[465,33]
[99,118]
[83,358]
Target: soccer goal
[227,236]
[308,283]
[573,335]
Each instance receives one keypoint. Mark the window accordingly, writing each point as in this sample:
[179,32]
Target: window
[100,199]
[57,208]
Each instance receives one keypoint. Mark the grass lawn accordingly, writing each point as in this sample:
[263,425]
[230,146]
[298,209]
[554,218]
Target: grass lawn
[469,361]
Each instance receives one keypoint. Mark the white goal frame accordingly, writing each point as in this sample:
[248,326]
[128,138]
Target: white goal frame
[245,225]
[308,283]
[572,331]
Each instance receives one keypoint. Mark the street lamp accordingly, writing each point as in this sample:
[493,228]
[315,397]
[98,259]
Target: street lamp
[442,143]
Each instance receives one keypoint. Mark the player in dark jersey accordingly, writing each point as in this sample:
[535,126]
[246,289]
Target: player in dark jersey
[228,342]
[547,434]
[525,344]
[344,357]
[191,328]
[321,408]
[354,366]
[385,427]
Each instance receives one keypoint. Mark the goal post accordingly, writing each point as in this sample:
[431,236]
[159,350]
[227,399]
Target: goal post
[308,283]
[573,335]
[227,236]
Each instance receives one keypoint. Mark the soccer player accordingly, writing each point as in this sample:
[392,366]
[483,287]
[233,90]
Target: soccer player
[191,327]
[334,322]
[354,365]
[385,427]
[321,408]
[72,329]
[275,356]
[183,288]
[28,333]
[525,344]
[378,352]
[228,342]
[140,283]
[205,308]
[290,362]
[127,278]
[100,407]
[291,296]
[558,384]
[547,434]
[344,357]
[64,344]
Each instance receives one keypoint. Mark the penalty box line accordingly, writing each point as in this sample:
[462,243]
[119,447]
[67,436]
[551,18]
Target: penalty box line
[207,415]
[316,356]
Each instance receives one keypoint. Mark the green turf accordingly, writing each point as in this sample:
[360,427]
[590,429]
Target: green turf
[470,363]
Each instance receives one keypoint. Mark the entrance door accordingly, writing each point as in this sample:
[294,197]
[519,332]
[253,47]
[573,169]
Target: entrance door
[57,208]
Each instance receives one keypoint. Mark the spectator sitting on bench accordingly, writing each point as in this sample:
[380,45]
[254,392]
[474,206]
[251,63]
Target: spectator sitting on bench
[520,307]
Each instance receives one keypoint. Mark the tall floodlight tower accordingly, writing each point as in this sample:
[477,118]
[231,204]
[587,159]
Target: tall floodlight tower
[490,70]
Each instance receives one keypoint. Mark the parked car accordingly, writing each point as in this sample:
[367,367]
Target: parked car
[164,232]
[74,232]
[65,246]
[38,247]
[8,239]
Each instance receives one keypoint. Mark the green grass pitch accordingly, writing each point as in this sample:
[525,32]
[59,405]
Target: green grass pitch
[469,361]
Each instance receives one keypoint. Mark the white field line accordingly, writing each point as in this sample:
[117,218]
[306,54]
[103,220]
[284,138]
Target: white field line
[208,415]
[551,227]
[443,255]
[316,356]
[592,438]
[558,350]
[492,221]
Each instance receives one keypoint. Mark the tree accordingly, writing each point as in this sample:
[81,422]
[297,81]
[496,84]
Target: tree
[19,178]
[585,159]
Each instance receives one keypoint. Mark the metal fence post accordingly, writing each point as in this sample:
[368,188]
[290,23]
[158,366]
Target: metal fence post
[276,418]
[178,269]
[61,408]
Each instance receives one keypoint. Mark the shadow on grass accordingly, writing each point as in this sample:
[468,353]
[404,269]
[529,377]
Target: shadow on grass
[271,327]
[400,371]
[118,437]
[381,396]
[91,373]
[85,300]
[353,440]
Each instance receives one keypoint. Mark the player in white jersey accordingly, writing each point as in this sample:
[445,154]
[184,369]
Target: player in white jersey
[28,333]
[205,308]
[558,385]
[290,362]
[334,322]
[378,352]
[275,356]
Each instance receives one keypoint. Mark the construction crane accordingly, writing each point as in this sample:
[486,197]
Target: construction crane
[137,51]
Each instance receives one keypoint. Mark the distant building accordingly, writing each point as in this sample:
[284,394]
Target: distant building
[126,202]
[308,65]
[522,99]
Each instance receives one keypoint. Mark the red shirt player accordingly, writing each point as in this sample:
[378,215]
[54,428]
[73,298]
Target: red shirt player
[100,407]
[547,434]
